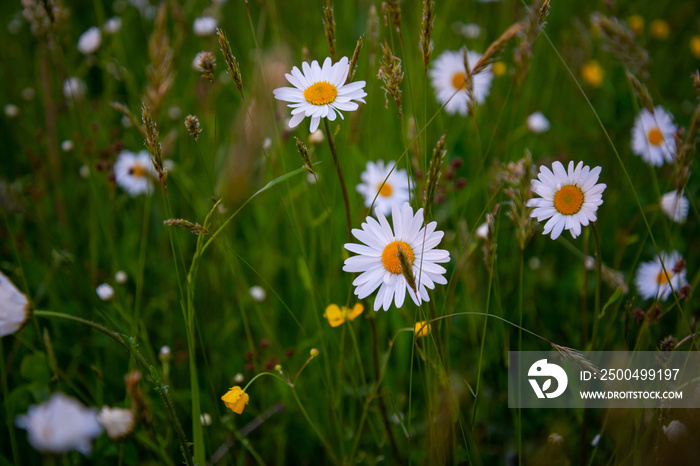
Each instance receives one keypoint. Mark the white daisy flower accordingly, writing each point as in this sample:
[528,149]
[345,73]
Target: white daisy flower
[90,40]
[67,145]
[538,123]
[389,187]
[14,307]
[11,110]
[569,199]
[133,172]
[448,76]
[74,88]
[379,263]
[204,26]
[121,277]
[652,136]
[675,431]
[675,205]
[320,92]
[117,422]
[258,293]
[105,292]
[113,25]
[482,231]
[164,352]
[60,425]
[651,280]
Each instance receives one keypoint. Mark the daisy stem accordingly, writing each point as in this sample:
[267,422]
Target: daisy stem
[598,276]
[132,349]
[340,177]
[382,405]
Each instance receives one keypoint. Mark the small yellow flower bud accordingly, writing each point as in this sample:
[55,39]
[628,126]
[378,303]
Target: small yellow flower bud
[314,352]
[278,368]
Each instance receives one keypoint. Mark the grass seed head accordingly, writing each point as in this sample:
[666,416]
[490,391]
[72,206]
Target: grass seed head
[433,175]
[355,58]
[406,267]
[205,63]
[427,22]
[153,144]
[159,72]
[641,91]
[234,70]
[193,227]
[304,152]
[391,74]
[329,27]
[393,10]
[620,40]
[192,125]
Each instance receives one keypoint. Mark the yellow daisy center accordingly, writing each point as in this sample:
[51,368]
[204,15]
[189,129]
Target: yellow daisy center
[459,80]
[661,278]
[568,200]
[390,256]
[655,136]
[321,93]
[385,190]
[138,171]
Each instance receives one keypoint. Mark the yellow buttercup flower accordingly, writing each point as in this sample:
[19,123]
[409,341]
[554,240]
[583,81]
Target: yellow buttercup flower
[235,399]
[338,315]
[660,29]
[695,46]
[499,68]
[636,24]
[592,73]
[422,329]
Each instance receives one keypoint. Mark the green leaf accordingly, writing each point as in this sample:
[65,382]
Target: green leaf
[35,369]
[615,296]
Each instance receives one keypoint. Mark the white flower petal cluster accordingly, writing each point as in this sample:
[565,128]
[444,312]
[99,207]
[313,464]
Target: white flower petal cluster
[90,40]
[378,263]
[60,425]
[538,123]
[570,198]
[675,205]
[117,422]
[134,172]
[105,291]
[204,26]
[448,77]
[386,183]
[14,307]
[653,136]
[320,92]
[651,280]
[74,88]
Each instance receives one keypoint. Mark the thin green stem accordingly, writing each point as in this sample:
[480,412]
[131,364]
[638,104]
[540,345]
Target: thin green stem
[346,199]
[313,426]
[382,405]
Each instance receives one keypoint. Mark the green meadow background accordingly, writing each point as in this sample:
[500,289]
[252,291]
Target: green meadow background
[374,394]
